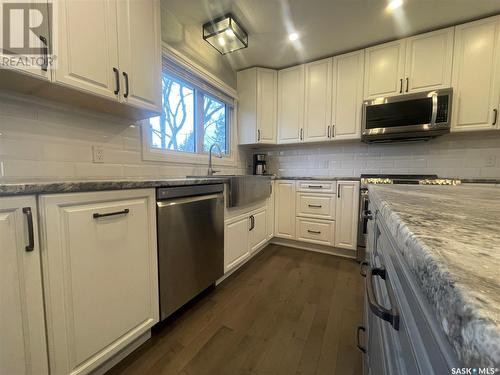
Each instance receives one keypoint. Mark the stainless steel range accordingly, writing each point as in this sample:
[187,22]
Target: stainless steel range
[382,179]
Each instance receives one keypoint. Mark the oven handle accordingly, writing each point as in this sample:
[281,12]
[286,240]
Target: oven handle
[434,109]
[389,315]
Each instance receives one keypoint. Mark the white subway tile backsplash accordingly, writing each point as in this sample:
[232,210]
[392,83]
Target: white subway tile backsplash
[43,140]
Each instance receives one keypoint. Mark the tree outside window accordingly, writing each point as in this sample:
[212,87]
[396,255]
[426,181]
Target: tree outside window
[191,120]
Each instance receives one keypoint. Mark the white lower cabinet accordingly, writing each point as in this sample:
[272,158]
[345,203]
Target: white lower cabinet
[321,232]
[100,274]
[284,210]
[270,213]
[320,206]
[347,210]
[243,235]
[22,327]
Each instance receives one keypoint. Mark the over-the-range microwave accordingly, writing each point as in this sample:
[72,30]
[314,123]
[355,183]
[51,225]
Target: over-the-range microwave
[410,117]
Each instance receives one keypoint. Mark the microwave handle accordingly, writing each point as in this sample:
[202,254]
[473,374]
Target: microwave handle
[434,109]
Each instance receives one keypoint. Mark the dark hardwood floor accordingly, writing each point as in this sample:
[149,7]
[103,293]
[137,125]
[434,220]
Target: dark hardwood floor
[286,312]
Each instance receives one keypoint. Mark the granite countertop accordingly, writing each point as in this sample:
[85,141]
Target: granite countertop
[98,185]
[318,178]
[450,238]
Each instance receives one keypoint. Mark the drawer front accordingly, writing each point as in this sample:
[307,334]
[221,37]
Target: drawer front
[320,206]
[315,231]
[317,186]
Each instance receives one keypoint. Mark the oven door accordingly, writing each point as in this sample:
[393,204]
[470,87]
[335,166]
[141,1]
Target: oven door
[425,115]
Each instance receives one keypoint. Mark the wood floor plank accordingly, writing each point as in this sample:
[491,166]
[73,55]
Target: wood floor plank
[287,311]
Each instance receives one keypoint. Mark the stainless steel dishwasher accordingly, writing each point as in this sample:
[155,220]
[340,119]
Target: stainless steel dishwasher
[190,242]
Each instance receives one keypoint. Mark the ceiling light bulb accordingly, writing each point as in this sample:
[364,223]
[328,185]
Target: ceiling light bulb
[221,41]
[230,33]
[293,36]
[394,4]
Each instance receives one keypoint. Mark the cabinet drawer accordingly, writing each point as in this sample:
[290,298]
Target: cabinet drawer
[316,186]
[320,206]
[315,231]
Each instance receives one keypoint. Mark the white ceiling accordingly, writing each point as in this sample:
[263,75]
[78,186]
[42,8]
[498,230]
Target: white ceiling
[326,27]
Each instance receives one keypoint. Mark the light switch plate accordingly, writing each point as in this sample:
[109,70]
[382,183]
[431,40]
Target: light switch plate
[97,154]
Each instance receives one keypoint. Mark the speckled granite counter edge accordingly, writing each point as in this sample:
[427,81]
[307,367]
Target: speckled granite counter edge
[469,333]
[319,178]
[35,188]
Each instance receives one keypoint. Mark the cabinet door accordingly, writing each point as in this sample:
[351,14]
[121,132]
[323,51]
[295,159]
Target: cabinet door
[267,96]
[86,46]
[139,48]
[270,213]
[284,215]
[37,9]
[384,69]
[429,61]
[247,106]
[22,325]
[347,95]
[290,104]
[258,233]
[346,217]
[318,100]
[476,75]
[236,237]
[101,274]
[320,206]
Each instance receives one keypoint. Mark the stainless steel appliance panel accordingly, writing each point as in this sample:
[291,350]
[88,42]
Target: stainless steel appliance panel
[190,247]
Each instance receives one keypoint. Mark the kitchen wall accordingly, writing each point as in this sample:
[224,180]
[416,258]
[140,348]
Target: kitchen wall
[42,140]
[471,155]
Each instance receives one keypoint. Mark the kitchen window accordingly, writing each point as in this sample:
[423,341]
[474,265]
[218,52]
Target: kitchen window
[194,116]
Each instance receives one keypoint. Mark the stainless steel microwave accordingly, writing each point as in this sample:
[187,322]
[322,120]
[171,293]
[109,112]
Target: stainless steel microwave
[411,117]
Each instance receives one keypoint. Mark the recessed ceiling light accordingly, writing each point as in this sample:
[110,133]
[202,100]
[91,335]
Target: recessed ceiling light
[394,4]
[293,36]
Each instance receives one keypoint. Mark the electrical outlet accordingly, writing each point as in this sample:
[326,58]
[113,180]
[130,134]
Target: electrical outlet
[97,154]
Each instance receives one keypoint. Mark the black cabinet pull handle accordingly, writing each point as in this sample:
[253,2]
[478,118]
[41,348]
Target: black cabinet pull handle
[401,86]
[45,64]
[328,135]
[389,315]
[360,347]
[252,222]
[315,205]
[407,84]
[315,186]
[31,234]
[495,116]
[117,80]
[301,134]
[362,266]
[124,212]
[314,231]
[258,134]
[338,191]
[125,95]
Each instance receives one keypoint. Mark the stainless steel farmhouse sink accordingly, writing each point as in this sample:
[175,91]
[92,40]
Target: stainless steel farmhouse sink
[244,189]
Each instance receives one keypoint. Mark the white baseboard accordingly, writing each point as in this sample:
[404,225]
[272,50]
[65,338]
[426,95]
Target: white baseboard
[120,356]
[345,253]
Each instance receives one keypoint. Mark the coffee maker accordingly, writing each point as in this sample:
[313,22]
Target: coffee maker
[259,164]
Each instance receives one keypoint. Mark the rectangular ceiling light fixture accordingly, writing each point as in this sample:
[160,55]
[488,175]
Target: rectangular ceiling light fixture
[225,34]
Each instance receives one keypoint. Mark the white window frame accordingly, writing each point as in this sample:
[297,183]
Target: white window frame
[150,153]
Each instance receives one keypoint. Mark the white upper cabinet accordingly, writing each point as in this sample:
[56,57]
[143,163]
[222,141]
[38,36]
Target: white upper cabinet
[291,104]
[139,52]
[100,274]
[257,105]
[419,63]
[318,100]
[117,55]
[384,69]
[346,216]
[22,325]
[43,41]
[87,51]
[476,75]
[429,61]
[347,100]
